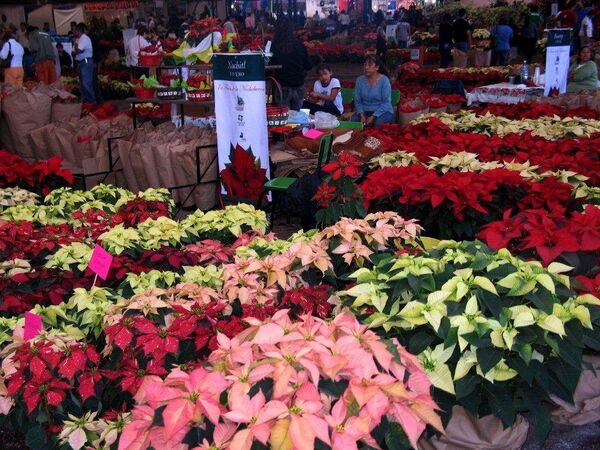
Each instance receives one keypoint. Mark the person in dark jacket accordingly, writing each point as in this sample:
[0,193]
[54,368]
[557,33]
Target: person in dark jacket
[292,56]
[445,40]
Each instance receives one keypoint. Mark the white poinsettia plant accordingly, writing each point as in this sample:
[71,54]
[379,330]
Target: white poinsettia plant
[493,332]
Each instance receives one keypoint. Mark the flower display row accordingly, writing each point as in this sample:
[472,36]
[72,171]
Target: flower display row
[40,177]
[122,350]
[208,358]
[575,155]
[550,128]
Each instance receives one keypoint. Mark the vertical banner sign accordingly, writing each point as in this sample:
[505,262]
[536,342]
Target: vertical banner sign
[240,107]
[557,61]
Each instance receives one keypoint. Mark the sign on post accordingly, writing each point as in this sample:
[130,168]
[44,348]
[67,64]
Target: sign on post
[240,106]
[557,61]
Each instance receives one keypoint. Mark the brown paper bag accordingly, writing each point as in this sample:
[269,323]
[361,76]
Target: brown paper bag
[586,399]
[6,140]
[482,58]
[184,156]
[166,172]
[25,111]
[466,432]
[459,59]
[38,143]
[151,164]
[62,112]
[61,142]
[136,159]
[124,150]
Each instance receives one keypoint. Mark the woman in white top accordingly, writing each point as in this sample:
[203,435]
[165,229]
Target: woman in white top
[326,94]
[135,44]
[13,74]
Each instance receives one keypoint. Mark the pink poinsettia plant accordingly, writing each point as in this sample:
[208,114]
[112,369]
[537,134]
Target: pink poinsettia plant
[288,384]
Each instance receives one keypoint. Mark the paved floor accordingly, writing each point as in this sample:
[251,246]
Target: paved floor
[563,437]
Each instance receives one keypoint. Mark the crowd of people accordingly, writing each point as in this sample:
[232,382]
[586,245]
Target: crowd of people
[29,51]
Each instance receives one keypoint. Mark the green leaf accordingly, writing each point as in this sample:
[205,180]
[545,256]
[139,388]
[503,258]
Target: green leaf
[420,341]
[465,386]
[451,337]
[501,403]
[395,438]
[525,352]
[36,439]
[539,413]
[488,358]
[543,302]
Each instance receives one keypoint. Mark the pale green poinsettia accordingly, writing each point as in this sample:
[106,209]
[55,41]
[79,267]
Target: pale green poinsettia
[234,218]
[155,233]
[434,363]
[368,294]
[17,196]
[210,276]
[466,322]
[468,360]
[66,256]
[416,313]
[525,280]
[118,239]
[151,280]
[417,266]
[462,283]
[13,267]
[502,336]
[525,316]
[7,327]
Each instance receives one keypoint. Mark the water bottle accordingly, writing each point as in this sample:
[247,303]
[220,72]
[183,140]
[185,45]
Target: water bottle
[524,72]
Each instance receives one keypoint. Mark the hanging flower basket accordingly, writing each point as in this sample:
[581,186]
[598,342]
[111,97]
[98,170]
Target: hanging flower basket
[149,60]
[144,93]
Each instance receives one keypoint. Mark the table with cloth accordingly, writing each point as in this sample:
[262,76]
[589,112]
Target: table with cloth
[504,93]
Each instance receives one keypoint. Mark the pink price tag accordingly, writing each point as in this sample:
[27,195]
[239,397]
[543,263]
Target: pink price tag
[33,325]
[313,134]
[100,262]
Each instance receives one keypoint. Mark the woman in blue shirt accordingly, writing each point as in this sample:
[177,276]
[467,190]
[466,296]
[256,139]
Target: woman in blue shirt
[373,95]
[502,34]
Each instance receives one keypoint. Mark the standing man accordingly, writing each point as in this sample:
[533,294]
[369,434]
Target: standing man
[445,40]
[41,46]
[344,20]
[402,33]
[502,34]
[461,31]
[83,54]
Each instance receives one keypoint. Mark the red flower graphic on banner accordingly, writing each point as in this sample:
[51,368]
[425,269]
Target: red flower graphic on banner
[243,177]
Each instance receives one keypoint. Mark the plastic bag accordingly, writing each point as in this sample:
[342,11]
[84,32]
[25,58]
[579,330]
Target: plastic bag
[325,120]
[298,117]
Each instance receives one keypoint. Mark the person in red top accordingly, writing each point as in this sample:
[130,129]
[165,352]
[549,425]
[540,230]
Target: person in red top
[567,17]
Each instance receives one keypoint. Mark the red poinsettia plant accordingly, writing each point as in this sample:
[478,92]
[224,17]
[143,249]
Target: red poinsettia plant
[338,195]
[39,176]
[243,177]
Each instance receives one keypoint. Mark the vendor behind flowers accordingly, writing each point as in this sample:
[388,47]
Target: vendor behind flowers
[583,74]
[373,95]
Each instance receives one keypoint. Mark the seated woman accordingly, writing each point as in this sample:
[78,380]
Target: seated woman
[584,73]
[326,94]
[373,95]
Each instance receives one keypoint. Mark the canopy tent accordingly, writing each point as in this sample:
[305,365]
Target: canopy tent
[15,14]
[39,16]
[64,17]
